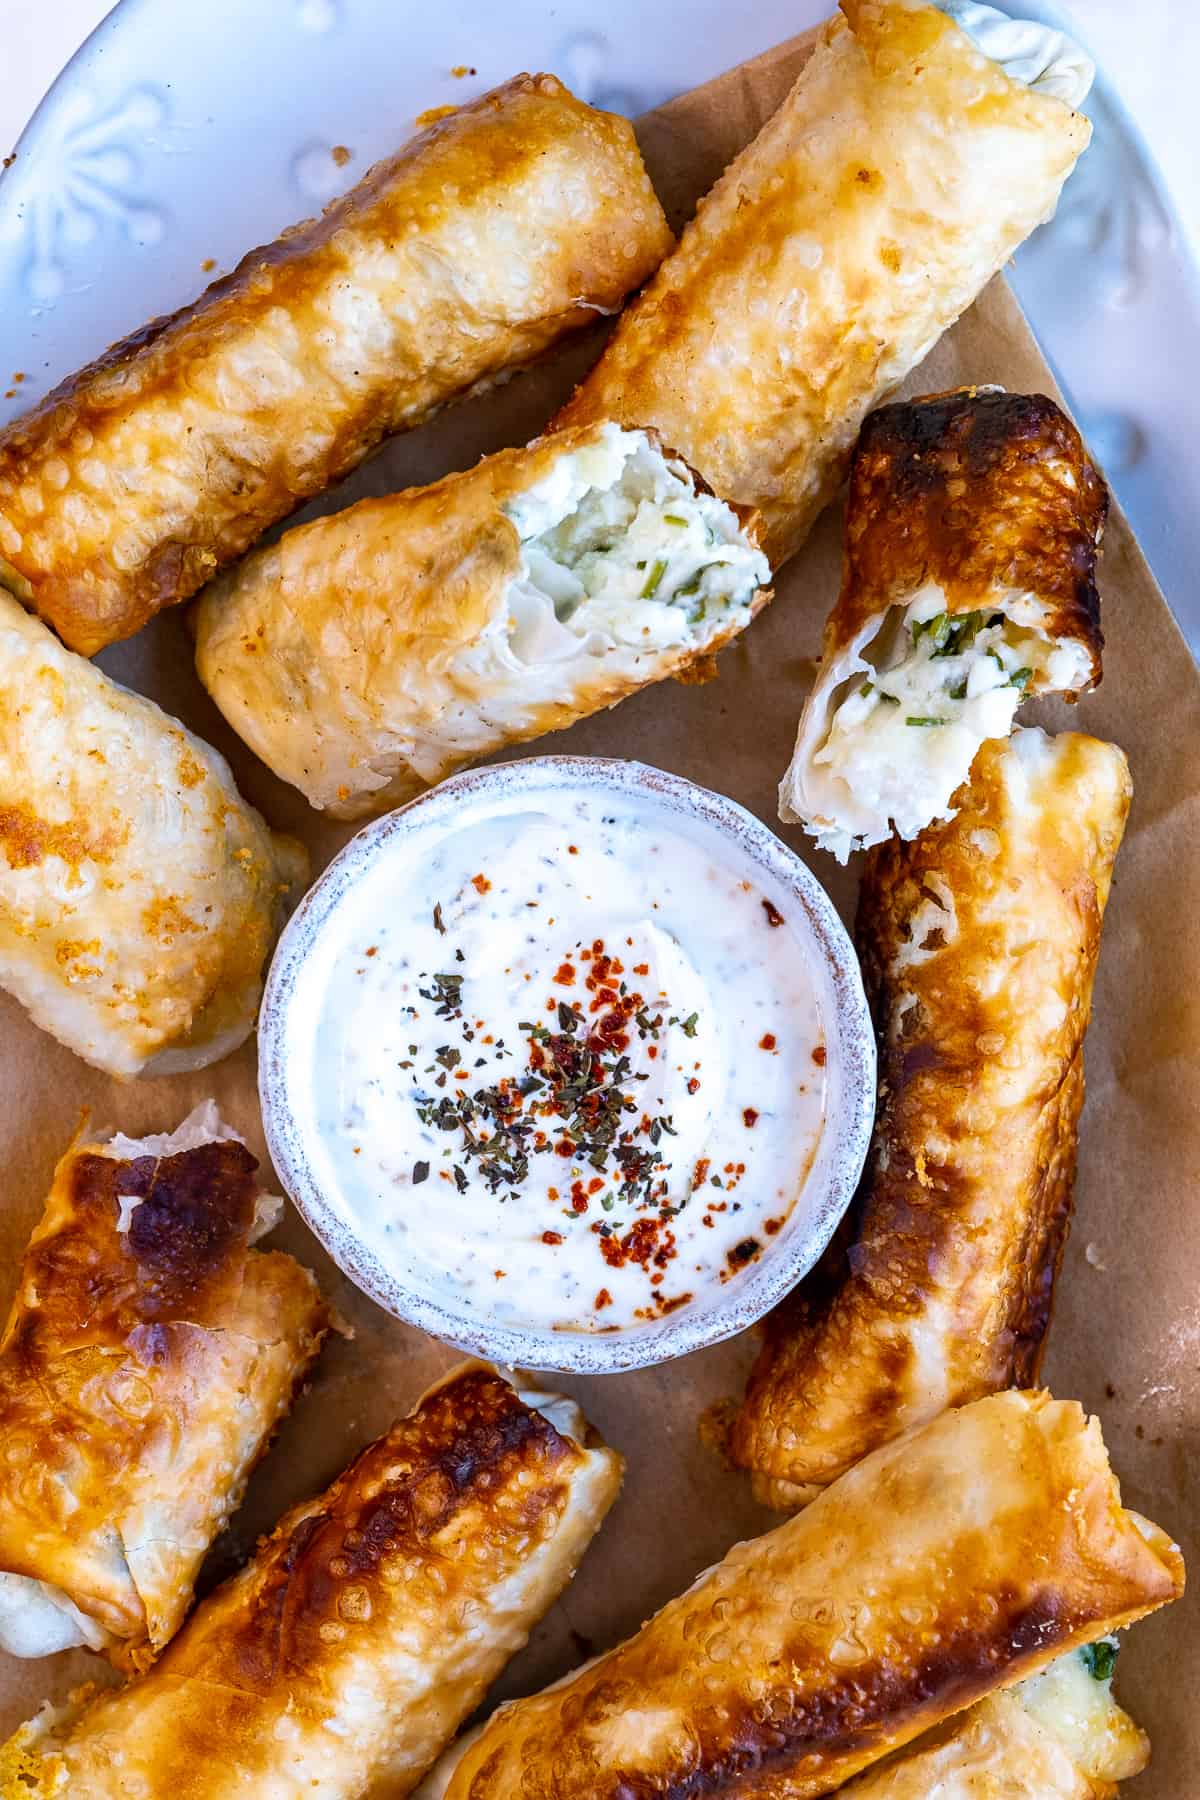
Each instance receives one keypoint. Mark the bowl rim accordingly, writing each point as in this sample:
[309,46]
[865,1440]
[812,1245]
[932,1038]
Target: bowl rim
[841,1149]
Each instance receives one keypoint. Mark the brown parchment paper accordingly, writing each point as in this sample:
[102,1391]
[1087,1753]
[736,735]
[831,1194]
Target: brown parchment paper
[1126,1338]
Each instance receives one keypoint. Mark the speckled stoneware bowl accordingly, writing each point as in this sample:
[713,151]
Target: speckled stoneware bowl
[285,1035]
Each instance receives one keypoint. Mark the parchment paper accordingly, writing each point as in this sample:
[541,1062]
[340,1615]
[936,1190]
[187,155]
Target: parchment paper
[1126,1339]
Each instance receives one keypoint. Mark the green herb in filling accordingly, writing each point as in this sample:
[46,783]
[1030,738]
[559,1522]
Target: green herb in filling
[1100,1659]
[1021,679]
[920,719]
[653,578]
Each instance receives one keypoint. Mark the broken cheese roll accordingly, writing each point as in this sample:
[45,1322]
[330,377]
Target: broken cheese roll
[370,654]
[972,525]
[957,1561]
[139,895]
[486,239]
[148,1357]
[900,173]
[1058,1736]
[979,943]
[343,1658]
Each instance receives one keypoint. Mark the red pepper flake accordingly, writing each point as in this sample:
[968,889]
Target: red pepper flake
[743,1253]
[771,1226]
[603,1299]
[573,849]
[481,884]
[819,1056]
[749,1118]
[693,1086]
[641,968]
[674,1303]
[372,950]
[578,1198]
[767,1041]
[700,1173]
[652,1051]
[774,916]
[499,1274]
[552,1237]
[565,974]
[552,1193]
[564,1147]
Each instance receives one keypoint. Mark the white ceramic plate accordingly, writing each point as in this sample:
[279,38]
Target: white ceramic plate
[182,135]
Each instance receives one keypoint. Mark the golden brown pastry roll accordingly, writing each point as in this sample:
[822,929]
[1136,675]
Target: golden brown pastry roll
[900,173]
[1058,1736]
[372,653]
[481,243]
[341,1660]
[979,942]
[972,525]
[139,895]
[148,1357]
[952,1563]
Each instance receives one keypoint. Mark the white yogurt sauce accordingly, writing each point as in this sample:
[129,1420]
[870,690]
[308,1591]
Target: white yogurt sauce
[569,1061]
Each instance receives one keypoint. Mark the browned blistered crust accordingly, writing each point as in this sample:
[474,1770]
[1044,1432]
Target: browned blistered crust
[945,1566]
[141,1375]
[344,1656]
[974,492]
[140,477]
[830,256]
[939,1287]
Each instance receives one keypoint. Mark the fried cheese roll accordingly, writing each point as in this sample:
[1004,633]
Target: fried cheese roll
[979,943]
[343,1658]
[972,525]
[900,173]
[956,1562]
[148,1357]
[370,654]
[139,895]
[1058,1736]
[489,236]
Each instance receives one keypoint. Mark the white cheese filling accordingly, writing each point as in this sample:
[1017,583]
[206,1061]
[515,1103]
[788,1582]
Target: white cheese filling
[1036,55]
[37,1619]
[619,551]
[1073,1698]
[896,730]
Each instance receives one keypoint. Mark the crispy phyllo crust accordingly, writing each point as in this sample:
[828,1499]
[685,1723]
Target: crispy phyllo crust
[952,1563]
[344,1657]
[969,584]
[372,653]
[900,173]
[148,1357]
[976,491]
[1058,1736]
[139,895]
[489,236]
[979,943]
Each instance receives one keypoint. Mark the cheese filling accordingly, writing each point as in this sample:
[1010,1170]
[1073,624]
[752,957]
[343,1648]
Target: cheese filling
[914,701]
[1073,1698]
[619,551]
[1037,55]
